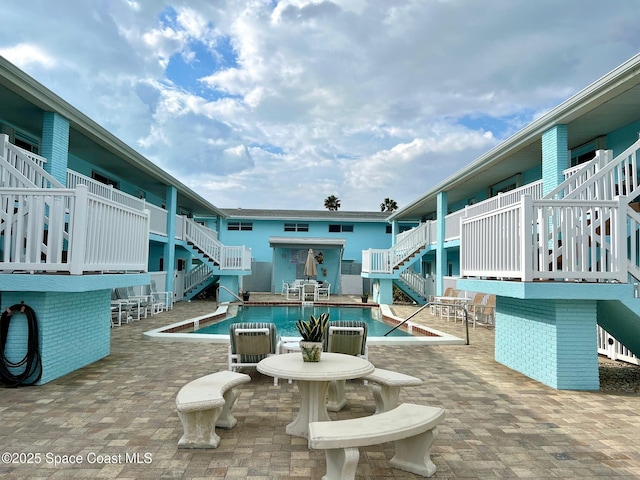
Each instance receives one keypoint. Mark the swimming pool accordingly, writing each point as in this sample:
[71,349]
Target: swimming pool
[190,330]
[285,318]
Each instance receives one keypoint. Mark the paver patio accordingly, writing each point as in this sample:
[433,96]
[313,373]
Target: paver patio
[117,417]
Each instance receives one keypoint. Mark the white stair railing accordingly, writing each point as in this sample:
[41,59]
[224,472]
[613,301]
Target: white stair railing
[21,169]
[385,260]
[603,178]
[415,281]
[204,239]
[196,276]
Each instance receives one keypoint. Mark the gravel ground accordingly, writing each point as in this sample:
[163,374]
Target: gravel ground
[618,376]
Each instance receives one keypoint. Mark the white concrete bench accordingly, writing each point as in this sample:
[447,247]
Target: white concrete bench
[387,389]
[411,427]
[206,403]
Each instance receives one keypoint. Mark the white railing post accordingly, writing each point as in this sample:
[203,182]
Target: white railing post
[78,240]
[526,238]
[620,258]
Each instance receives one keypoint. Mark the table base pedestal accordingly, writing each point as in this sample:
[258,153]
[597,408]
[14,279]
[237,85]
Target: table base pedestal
[313,407]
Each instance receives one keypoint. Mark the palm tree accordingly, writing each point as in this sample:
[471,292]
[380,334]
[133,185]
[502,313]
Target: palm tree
[388,205]
[332,203]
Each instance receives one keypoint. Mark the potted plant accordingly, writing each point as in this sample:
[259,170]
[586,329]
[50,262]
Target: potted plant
[365,297]
[312,332]
[245,295]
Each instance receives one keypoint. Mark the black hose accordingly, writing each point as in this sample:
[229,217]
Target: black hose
[31,362]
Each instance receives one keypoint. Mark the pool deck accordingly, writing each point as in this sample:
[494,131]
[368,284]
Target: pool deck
[118,417]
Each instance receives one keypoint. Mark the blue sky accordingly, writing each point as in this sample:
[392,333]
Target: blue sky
[267,104]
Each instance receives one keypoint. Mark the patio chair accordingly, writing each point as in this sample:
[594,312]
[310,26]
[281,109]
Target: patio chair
[485,314]
[133,305]
[250,342]
[293,292]
[324,291]
[309,292]
[285,287]
[348,337]
[477,301]
[145,302]
[435,309]
[166,298]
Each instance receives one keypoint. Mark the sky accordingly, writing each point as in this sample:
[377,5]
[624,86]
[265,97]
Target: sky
[280,104]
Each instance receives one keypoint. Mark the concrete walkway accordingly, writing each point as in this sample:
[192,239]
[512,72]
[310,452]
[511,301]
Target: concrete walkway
[117,418]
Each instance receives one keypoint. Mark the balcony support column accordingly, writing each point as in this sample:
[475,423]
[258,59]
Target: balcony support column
[55,145]
[555,157]
[170,247]
[441,253]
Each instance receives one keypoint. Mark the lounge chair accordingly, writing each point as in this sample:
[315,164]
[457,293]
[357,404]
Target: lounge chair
[348,337]
[250,342]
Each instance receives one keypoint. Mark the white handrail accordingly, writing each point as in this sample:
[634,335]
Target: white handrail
[204,239]
[22,169]
[196,276]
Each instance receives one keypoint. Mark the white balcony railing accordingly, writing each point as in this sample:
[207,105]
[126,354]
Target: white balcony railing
[61,230]
[158,216]
[452,221]
[547,239]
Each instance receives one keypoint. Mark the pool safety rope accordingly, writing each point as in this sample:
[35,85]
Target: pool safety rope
[31,362]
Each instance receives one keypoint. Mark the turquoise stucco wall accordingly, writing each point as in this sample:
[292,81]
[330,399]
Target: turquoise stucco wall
[552,341]
[365,235]
[74,329]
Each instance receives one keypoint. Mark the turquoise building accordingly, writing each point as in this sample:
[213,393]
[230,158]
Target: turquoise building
[547,221]
[280,239]
[82,213]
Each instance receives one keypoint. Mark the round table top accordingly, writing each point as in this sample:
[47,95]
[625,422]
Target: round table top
[332,366]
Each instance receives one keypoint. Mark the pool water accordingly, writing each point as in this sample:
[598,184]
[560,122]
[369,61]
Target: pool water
[285,318]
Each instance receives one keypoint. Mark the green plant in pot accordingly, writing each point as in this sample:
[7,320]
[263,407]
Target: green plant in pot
[312,332]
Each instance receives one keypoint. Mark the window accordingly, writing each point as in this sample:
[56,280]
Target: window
[104,179]
[403,228]
[336,228]
[296,227]
[245,226]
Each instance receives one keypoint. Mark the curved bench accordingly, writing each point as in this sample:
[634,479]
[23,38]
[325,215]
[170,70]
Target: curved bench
[206,403]
[411,427]
[387,389]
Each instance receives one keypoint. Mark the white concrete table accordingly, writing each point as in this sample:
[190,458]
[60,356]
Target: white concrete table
[313,381]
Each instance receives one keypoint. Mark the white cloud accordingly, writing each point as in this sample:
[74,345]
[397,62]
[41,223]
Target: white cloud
[363,99]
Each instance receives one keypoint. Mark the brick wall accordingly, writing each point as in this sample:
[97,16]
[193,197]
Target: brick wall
[74,329]
[555,157]
[552,341]
[55,145]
